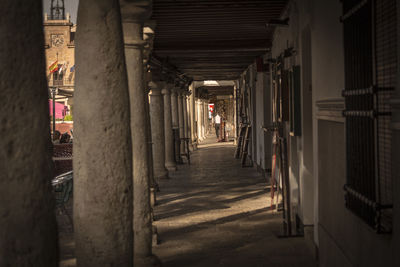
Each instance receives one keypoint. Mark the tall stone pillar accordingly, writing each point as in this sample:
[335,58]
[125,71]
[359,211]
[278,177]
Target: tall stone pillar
[169,139]
[187,115]
[204,119]
[205,103]
[181,121]
[192,115]
[148,37]
[199,116]
[174,108]
[102,173]
[157,129]
[28,232]
[175,123]
[203,123]
[185,119]
[153,183]
[133,14]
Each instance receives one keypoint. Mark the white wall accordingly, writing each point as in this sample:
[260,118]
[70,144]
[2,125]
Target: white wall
[301,158]
[317,157]
[263,118]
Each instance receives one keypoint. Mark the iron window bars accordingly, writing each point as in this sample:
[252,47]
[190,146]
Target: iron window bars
[369,28]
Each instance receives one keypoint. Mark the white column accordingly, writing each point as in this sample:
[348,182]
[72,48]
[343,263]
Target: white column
[102,173]
[28,231]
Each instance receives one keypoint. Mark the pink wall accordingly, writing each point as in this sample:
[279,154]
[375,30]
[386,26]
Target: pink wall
[60,110]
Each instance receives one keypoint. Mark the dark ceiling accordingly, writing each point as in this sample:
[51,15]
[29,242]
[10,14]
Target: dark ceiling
[217,90]
[213,39]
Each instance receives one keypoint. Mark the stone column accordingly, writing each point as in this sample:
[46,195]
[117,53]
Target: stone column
[148,37]
[153,183]
[102,150]
[185,119]
[205,117]
[133,14]
[169,140]
[198,113]
[203,123]
[175,123]
[174,108]
[187,111]
[157,130]
[192,115]
[28,231]
[181,121]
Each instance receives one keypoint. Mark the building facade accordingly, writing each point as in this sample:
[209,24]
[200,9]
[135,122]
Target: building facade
[59,36]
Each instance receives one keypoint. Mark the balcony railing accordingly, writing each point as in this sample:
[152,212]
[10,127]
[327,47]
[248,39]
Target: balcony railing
[62,83]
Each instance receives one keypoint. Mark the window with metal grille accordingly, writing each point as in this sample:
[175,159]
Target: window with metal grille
[369,28]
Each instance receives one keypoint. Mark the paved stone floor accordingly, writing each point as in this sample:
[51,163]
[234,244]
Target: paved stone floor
[216,213]
[213,213]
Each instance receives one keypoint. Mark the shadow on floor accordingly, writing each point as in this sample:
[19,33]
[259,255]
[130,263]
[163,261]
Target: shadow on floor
[216,213]
[202,201]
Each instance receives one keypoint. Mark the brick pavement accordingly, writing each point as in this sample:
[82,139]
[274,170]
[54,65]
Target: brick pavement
[215,213]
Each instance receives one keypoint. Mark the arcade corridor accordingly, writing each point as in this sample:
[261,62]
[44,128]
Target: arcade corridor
[101,107]
[216,213]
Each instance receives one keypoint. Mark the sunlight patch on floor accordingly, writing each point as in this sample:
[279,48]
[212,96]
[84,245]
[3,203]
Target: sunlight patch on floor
[215,144]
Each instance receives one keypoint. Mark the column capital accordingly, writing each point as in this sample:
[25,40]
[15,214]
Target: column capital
[167,88]
[175,91]
[156,87]
[148,37]
[165,91]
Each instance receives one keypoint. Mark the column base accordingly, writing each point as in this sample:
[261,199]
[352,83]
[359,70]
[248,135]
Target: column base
[149,261]
[152,196]
[161,174]
[155,236]
[171,167]
[162,177]
[194,146]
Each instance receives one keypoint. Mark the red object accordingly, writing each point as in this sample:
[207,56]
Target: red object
[211,107]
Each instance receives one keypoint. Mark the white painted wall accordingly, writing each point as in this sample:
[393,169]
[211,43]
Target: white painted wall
[263,118]
[317,158]
[301,177]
